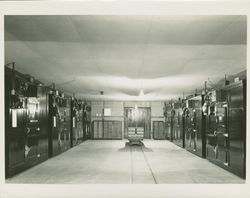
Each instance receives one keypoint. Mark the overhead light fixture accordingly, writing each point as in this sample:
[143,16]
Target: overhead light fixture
[141,93]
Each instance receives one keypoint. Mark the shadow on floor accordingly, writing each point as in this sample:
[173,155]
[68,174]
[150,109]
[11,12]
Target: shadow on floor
[134,148]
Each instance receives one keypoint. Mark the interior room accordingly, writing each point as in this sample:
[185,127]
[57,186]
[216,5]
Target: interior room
[125,99]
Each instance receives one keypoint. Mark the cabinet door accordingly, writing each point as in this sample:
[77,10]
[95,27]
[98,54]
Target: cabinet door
[155,130]
[100,129]
[106,129]
[114,129]
[110,130]
[95,129]
[222,135]
[119,129]
[168,126]
[161,130]
[158,129]
[236,129]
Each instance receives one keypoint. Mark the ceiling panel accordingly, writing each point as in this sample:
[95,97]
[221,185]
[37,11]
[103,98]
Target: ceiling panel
[235,33]
[16,50]
[210,67]
[186,32]
[116,51]
[24,28]
[110,29]
[74,68]
[162,51]
[165,67]
[237,52]
[115,67]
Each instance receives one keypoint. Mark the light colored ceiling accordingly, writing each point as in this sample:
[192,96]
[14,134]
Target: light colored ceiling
[163,55]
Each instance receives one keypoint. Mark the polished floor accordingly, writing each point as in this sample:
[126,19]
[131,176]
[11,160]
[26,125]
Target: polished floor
[115,162]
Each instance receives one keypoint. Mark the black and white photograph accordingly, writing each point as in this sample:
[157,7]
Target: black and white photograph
[128,99]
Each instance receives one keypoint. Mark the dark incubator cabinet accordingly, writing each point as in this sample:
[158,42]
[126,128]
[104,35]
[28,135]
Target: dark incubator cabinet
[194,126]
[168,121]
[26,136]
[59,123]
[177,126]
[226,127]
[76,122]
[86,120]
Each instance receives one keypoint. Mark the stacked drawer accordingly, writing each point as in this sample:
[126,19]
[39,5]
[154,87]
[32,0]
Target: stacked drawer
[135,133]
[97,129]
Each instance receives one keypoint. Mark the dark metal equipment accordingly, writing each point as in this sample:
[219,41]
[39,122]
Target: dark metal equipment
[86,121]
[59,123]
[26,136]
[178,124]
[168,121]
[194,122]
[226,127]
[76,122]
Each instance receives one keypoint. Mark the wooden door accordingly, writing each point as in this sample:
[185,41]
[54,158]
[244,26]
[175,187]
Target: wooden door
[138,117]
[158,130]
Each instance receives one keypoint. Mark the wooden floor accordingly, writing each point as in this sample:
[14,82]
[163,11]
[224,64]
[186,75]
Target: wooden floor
[115,162]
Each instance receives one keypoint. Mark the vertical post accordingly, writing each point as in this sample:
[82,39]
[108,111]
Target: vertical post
[171,122]
[13,79]
[226,81]
[103,106]
[71,120]
[203,124]
[205,87]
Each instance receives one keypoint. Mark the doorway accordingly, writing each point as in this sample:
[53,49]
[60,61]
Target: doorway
[138,117]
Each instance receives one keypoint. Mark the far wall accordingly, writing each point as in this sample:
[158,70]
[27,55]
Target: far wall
[117,110]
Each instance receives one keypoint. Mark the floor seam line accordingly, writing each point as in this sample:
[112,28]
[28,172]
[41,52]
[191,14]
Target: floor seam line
[151,171]
[131,165]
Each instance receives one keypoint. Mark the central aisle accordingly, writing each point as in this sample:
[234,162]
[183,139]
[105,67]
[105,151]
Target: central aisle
[115,162]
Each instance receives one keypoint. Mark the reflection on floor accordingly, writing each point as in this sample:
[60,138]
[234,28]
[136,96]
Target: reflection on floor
[114,161]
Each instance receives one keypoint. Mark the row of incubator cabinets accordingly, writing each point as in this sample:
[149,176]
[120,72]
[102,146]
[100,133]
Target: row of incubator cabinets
[39,122]
[212,126]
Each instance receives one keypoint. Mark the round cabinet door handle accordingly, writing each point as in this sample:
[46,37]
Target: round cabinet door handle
[38,129]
